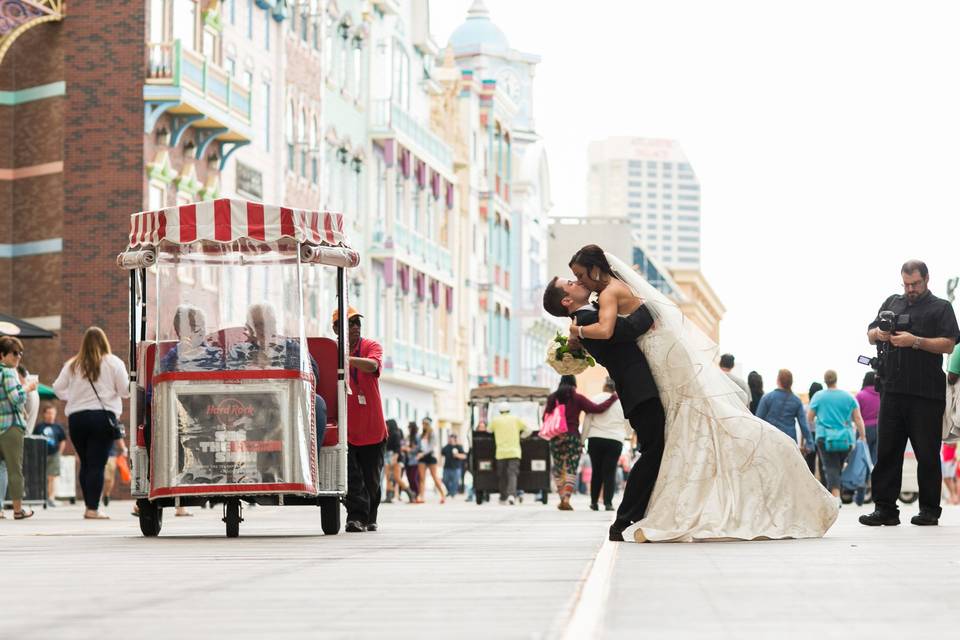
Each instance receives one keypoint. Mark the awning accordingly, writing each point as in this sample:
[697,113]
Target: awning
[10,326]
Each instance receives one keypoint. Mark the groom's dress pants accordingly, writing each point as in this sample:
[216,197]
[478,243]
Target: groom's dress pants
[648,420]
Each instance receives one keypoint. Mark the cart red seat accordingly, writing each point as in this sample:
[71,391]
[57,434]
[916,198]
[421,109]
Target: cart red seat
[324,351]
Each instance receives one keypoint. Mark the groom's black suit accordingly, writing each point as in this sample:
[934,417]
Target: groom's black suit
[640,400]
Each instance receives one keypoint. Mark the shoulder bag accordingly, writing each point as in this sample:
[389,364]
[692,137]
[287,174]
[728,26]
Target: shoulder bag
[115,428]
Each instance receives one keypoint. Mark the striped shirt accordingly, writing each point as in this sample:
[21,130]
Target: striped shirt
[12,400]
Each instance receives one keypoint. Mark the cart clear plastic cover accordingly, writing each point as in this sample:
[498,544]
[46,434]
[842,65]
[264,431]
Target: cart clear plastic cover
[233,398]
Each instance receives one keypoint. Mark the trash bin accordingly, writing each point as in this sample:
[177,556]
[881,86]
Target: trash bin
[535,467]
[483,466]
[34,471]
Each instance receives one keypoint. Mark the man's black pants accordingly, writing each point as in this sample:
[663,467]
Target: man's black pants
[904,417]
[604,455]
[648,420]
[364,468]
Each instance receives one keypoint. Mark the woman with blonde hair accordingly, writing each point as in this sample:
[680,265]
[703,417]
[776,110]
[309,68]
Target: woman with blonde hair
[93,383]
[427,459]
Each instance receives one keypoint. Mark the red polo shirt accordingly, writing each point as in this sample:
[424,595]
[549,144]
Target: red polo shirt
[365,424]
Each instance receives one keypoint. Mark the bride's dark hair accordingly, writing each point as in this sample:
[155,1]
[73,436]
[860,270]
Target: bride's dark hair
[591,256]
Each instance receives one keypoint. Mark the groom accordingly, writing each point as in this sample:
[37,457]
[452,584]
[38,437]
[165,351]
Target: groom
[638,392]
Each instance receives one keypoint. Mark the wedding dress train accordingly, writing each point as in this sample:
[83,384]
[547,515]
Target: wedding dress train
[725,474]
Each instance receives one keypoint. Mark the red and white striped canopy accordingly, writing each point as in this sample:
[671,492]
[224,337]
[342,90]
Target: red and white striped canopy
[227,220]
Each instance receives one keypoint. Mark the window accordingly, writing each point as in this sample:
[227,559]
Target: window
[651,194]
[250,11]
[157,11]
[302,139]
[328,48]
[688,187]
[634,204]
[314,168]
[185,23]
[692,239]
[232,10]
[688,228]
[401,76]
[651,205]
[231,66]
[667,205]
[304,21]
[634,183]
[266,115]
[689,218]
[666,247]
[634,194]
[688,197]
[683,249]
[266,30]
[635,164]
[248,79]
[314,14]
[687,207]
[356,73]
[668,196]
[688,259]
[289,135]
[343,55]
[157,196]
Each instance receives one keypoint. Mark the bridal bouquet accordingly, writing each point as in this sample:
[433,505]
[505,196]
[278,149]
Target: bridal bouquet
[567,361]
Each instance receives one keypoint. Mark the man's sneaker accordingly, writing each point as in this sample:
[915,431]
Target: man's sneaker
[51,503]
[502,501]
[880,519]
[372,526]
[924,520]
[594,507]
[608,507]
[355,526]
[511,500]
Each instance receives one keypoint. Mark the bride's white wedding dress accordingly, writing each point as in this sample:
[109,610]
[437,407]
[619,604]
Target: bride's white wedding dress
[725,474]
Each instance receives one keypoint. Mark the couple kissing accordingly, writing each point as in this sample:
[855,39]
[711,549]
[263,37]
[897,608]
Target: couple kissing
[708,469]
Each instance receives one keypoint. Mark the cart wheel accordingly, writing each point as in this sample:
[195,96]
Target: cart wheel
[544,497]
[330,516]
[151,518]
[232,517]
[909,497]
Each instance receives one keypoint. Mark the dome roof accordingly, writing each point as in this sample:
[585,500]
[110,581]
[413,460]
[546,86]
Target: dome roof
[478,29]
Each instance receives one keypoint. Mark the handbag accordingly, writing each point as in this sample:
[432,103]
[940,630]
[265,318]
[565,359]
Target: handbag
[951,415]
[554,423]
[116,428]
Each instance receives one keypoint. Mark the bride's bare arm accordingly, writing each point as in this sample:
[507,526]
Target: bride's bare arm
[603,328]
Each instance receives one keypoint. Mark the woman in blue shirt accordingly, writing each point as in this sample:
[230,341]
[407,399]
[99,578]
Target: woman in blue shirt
[784,410]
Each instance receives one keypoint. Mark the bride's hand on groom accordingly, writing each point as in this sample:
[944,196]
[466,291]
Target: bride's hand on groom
[573,340]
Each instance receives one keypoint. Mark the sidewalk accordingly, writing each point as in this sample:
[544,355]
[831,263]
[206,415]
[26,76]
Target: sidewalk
[487,571]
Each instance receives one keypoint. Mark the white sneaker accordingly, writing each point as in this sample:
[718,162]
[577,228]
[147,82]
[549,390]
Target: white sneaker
[511,500]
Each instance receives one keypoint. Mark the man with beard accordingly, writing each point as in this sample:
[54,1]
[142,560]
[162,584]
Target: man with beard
[366,428]
[635,385]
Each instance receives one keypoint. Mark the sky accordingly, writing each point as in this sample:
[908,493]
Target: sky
[824,136]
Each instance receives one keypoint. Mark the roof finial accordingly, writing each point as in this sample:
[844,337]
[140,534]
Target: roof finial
[478,10]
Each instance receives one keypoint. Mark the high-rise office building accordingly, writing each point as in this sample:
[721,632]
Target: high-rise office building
[650,182]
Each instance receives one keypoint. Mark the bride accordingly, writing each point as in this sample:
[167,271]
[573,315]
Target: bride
[725,473]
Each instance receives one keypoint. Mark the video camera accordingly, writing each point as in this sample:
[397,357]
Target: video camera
[887,322]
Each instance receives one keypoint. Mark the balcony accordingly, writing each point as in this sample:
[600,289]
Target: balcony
[196,93]
[420,252]
[430,365]
[388,119]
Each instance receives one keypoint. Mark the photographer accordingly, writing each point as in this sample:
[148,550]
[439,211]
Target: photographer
[912,332]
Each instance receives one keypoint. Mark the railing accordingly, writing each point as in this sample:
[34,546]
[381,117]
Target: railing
[401,355]
[430,252]
[429,364]
[386,115]
[169,63]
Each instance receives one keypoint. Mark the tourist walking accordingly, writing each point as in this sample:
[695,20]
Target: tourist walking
[811,456]
[453,456]
[784,410]
[565,448]
[869,400]
[727,362]
[427,461]
[507,429]
[13,401]
[411,454]
[56,439]
[835,412]
[604,434]
[393,466]
[755,385]
[93,383]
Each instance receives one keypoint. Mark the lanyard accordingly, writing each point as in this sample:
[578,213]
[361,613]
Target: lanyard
[354,374]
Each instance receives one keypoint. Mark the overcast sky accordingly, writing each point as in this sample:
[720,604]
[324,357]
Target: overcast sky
[824,135]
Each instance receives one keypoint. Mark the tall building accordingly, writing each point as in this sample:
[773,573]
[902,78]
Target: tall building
[650,182]
[511,182]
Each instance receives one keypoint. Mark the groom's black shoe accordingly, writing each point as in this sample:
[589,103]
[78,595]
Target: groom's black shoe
[880,519]
[616,531]
[924,520]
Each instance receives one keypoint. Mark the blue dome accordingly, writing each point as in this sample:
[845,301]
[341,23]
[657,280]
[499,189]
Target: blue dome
[478,30]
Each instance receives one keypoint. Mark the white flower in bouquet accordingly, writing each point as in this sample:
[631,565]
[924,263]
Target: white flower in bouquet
[567,361]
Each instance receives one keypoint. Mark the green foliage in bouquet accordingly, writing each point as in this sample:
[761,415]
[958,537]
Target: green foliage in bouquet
[564,348]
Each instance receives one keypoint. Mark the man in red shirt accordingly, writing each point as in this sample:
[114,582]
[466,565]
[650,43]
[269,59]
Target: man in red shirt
[366,428]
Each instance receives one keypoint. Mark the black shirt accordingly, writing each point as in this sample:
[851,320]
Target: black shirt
[449,462]
[394,440]
[917,372]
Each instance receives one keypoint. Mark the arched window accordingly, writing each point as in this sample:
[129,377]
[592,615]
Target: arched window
[304,20]
[329,50]
[356,71]
[401,76]
[302,131]
[343,54]
[288,133]
[314,20]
